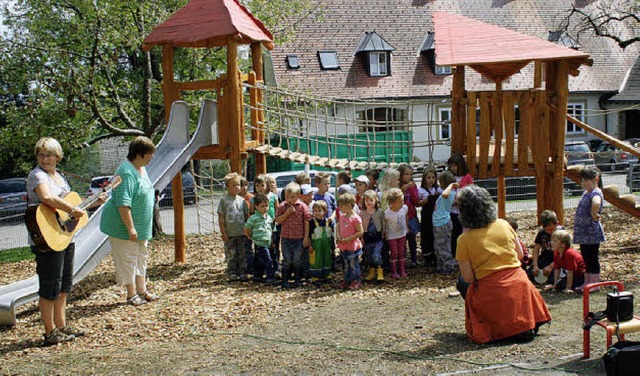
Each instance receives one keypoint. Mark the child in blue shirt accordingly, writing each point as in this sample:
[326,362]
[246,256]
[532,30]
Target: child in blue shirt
[442,225]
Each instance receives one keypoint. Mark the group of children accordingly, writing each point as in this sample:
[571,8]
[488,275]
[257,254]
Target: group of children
[372,222]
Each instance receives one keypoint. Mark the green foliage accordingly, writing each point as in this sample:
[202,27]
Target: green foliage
[84,76]
[16,255]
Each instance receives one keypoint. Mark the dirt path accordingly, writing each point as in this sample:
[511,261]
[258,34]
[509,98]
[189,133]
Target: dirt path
[203,325]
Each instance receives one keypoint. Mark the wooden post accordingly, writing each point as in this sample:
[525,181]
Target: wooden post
[171,94]
[256,58]
[458,128]
[234,107]
[555,128]
[537,74]
[502,195]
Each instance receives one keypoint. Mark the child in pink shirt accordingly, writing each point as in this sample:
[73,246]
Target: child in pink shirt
[348,233]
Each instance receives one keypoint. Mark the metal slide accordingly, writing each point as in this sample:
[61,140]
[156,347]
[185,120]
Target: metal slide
[173,151]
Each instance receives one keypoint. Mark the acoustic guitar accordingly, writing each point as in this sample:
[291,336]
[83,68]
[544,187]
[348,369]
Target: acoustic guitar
[53,229]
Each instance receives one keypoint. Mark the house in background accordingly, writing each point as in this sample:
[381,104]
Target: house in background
[385,51]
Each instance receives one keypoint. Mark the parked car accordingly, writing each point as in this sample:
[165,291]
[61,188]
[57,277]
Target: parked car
[633,177]
[13,199]
[189,195]
[578,153]
[285,177]
[608,157]
[97,183]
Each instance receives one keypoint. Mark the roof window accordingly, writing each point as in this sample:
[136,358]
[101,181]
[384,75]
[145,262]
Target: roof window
[328,60]
[428,49]
[563,39]
[293,62]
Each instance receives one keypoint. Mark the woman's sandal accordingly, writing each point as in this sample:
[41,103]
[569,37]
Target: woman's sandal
[149,296]
[136,300]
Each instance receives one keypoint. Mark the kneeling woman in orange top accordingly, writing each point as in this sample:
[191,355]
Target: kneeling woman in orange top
[500,302]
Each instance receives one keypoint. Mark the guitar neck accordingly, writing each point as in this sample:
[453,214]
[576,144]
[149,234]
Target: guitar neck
[91,200]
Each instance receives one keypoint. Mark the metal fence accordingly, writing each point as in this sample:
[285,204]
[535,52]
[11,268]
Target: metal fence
[201,217]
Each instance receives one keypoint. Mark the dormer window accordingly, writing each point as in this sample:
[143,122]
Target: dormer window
[376,54]
[293,62]
[428,49]
[561,38]
[328,60]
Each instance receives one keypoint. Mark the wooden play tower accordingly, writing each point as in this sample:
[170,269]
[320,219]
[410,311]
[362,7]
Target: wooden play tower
[493,149]
[212,24]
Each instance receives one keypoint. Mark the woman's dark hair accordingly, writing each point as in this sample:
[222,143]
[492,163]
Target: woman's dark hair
[477,209]
[458,160]
[139,147]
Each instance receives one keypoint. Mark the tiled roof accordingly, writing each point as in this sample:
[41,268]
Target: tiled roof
[405,24]
[209,23]
[631,90]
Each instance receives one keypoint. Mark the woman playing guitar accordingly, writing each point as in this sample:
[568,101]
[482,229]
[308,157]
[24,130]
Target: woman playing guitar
[45,185]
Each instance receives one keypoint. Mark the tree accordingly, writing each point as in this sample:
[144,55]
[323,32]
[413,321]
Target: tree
[618,20]
[83,75]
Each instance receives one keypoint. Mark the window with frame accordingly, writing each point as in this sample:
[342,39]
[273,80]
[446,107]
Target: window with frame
[444,117]
[378,64]
[442,70]
[328,60]
[577,111]
[293,62]
[382,119]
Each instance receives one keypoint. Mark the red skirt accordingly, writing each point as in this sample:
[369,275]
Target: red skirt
[503,304]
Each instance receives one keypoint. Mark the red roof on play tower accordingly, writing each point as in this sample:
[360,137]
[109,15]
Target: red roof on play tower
[465,41]
[209,23]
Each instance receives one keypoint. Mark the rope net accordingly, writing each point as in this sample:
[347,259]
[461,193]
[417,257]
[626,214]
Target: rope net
[346,133]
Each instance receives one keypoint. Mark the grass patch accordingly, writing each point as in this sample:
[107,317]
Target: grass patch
[16,255]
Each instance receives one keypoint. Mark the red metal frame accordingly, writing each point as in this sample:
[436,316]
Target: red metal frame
[586,334]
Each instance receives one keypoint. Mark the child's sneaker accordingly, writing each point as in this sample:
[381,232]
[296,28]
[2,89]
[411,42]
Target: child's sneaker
[56,337]
[343,285]
[75,332]
[395,275]
[355,285]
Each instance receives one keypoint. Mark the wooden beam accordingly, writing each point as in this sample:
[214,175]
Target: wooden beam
[457,126]
[537,74]
[256,60]
[199,85]
[234,94]
[471,133]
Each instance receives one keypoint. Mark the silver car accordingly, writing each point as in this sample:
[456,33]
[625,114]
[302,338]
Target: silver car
[608,157]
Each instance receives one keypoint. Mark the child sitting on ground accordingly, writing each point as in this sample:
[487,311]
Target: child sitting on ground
[542,251]
[567,258]
[259,230]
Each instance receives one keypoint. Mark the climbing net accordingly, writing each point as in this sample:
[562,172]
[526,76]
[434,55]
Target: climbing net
[347,133]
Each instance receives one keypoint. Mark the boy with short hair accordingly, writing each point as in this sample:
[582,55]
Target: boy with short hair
[343,182]
[233,212]
[323,181]
[294,215]
[259,230]
[542,251]
[568,259]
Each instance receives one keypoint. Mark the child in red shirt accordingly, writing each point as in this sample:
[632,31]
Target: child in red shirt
[567,258]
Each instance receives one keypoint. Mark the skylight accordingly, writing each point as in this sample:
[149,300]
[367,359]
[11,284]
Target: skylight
[293,62]
[328,60]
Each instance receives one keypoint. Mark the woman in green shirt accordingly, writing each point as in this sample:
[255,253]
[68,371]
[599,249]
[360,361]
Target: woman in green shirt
[128,220]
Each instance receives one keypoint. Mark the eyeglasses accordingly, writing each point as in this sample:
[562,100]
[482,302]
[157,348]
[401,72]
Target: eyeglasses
[46,155]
